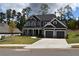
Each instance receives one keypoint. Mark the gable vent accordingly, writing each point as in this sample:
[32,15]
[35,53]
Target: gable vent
[54,22]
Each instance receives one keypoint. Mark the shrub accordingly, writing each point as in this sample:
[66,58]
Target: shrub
[2,37]
[67,36]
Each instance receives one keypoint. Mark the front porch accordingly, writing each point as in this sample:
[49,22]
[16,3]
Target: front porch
[47,33]
[33,32]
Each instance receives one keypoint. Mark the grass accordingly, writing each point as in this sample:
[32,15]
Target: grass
[15,47]
[73,37]
[18,40]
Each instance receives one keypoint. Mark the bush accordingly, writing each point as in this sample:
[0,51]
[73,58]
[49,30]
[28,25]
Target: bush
[67,36]
[77,35]
[2,37]
[72,24]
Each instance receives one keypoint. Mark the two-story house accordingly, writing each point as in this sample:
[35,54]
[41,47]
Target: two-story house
[46,26]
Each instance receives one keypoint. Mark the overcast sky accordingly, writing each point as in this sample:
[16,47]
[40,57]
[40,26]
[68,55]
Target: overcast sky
[35,7]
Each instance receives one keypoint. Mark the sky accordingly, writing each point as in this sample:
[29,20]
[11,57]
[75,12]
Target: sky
[36,6]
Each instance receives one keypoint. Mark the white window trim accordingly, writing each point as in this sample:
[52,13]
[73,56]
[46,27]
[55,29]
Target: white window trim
[49,24]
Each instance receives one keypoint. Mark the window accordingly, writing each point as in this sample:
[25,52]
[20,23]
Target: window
[33,23]
[28,23]
[38,23]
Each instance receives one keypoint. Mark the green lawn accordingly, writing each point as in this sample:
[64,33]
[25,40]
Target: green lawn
[73,37]
[18,40]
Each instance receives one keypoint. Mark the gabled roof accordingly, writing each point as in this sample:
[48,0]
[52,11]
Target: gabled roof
[4,28]
[49,23]
[62,23]
[46,17]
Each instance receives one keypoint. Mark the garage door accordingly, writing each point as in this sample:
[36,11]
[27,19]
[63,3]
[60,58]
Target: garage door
[60,34]
[49,34]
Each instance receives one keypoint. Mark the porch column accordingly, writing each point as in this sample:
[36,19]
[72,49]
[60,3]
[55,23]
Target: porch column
[65,34]
[54,33]
[38,31]
[27,31]
[44,33]
[33,31]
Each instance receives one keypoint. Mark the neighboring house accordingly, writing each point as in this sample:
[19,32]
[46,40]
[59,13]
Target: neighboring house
[4,30]
[46,26]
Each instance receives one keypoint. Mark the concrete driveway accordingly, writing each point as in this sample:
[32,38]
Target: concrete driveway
[49,43]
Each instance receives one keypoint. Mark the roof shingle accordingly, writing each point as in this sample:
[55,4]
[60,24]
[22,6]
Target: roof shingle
[4,28]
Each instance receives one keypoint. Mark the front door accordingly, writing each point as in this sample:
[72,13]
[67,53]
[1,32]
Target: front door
[49,34]
[30,33]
